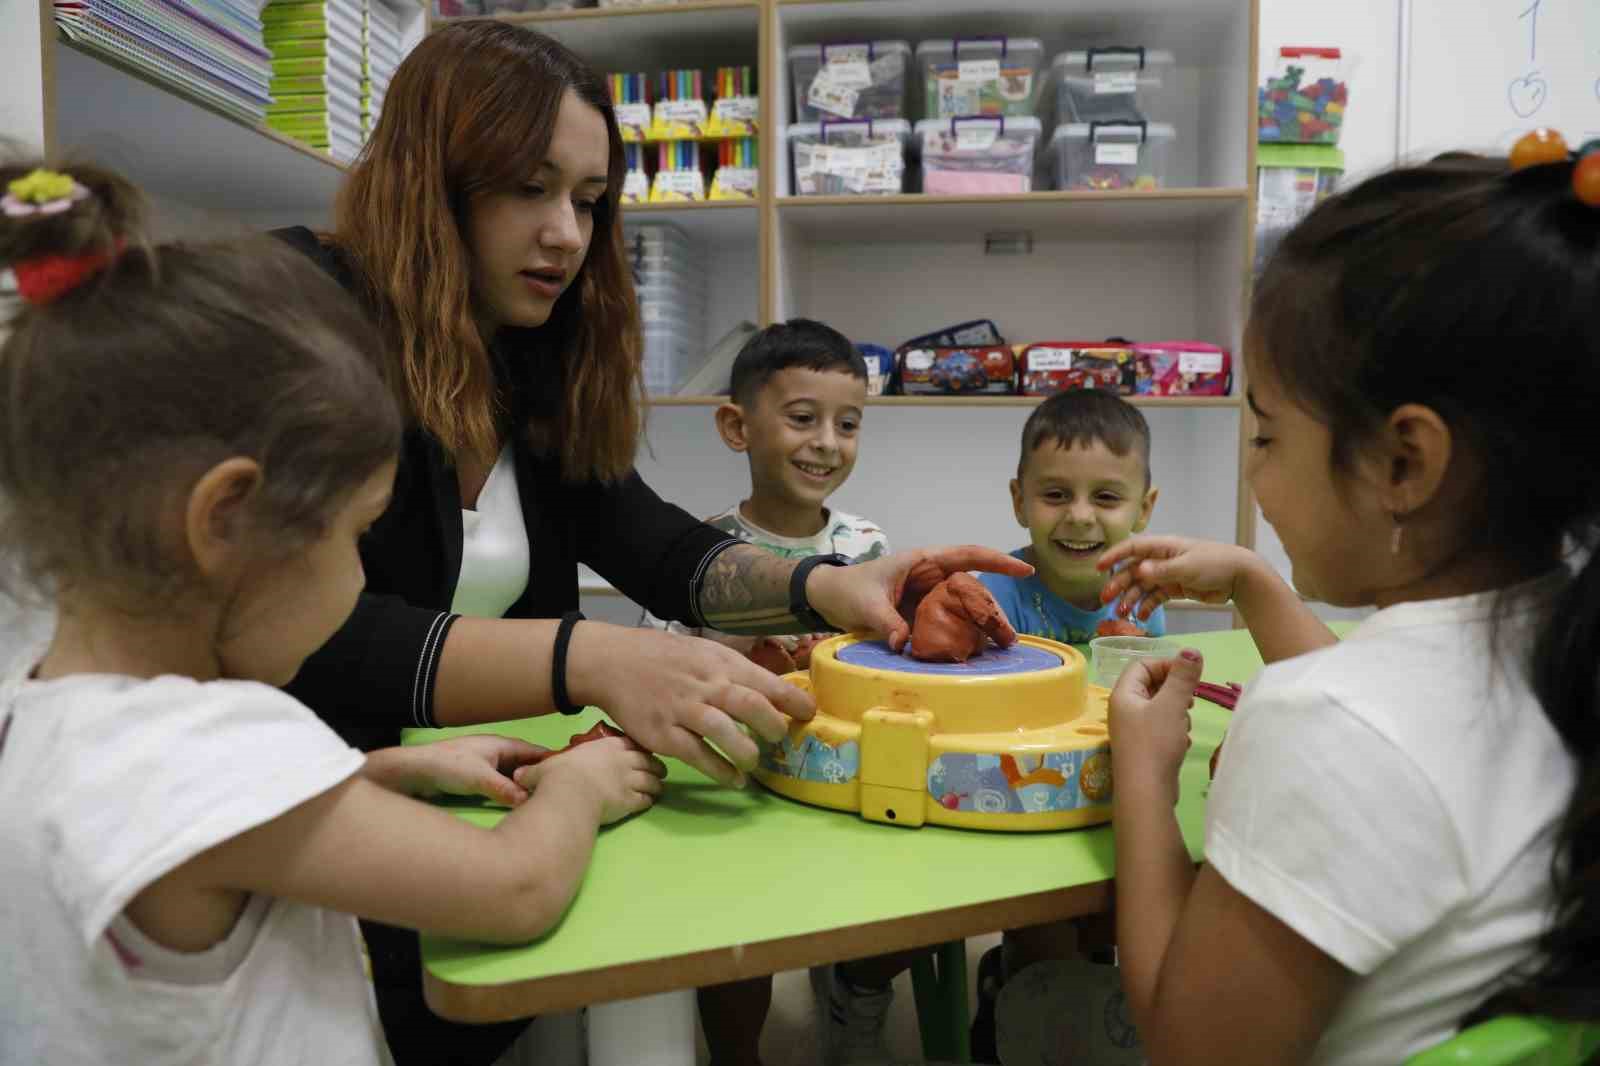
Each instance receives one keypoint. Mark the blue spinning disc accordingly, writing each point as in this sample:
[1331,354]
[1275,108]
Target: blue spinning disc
[1017,659]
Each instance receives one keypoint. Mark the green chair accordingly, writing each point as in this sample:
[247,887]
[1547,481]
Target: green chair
[1512,1040]
[939,980]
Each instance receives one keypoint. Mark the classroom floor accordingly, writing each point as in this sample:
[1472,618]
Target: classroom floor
[790,1038]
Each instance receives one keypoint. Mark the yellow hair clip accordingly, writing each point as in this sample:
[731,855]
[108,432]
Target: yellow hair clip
[42,192]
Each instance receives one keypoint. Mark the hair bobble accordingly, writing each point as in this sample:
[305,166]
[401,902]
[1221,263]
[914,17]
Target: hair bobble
[46,278]
[41,192]
[1544,146]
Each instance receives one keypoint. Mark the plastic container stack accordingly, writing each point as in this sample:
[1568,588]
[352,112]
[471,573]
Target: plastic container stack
[1111,155]
[1110,84]
[980,76]
[978,156]
[669,271]
[1109,104]
[861,158]
[865,79]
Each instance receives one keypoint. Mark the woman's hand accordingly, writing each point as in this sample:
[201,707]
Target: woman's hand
[679,696]
[617,775]
[482,765]
[1150,724]
[881,597]
[1149,571]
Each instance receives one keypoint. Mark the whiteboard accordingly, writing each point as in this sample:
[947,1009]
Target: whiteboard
[1477,74]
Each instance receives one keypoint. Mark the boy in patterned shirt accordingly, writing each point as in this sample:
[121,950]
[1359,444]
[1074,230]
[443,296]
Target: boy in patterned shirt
[796,399]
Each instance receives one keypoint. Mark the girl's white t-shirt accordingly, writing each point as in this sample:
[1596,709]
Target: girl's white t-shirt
[1393,799]
[108,783]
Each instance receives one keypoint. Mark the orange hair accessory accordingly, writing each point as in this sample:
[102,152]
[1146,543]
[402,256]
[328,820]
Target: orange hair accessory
[1544,145]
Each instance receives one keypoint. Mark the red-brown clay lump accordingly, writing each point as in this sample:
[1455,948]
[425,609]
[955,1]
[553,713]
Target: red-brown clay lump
[772,656]
[1117,627]
[957,620]
[600,731]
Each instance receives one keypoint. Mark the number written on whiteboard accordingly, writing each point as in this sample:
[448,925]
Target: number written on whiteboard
[1527,94]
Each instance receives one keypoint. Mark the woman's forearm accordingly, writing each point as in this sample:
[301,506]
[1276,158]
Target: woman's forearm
[745,591]
[494,669]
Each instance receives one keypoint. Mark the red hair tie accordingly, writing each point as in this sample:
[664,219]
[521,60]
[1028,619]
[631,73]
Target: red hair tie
[1545,145]
[46,278]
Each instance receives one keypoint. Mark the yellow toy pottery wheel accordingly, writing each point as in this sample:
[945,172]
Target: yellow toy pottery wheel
[1012,740]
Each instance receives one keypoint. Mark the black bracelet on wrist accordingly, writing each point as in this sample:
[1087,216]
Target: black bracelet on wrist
[558,663]
[801,607]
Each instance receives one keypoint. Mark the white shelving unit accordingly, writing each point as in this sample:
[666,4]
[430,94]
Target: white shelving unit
[1170,263]
[194,161]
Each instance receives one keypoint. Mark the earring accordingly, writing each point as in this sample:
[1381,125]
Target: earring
[1397,535]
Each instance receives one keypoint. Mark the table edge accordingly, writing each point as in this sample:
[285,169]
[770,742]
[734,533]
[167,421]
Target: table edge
[573,989]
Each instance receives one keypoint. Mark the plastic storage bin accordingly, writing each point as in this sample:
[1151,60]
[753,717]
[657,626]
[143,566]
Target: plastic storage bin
[978,155]
[669,278]
[863,157]
[1117,155]
[980,76]
[863,79]
[1110,84]
[1303,101]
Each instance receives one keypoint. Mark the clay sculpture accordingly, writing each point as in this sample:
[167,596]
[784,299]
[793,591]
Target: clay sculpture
[957,620]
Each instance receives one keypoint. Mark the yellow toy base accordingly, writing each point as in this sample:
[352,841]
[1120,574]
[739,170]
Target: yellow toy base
[1015,742]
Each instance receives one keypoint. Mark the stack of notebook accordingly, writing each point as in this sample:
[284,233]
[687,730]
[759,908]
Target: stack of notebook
[207,50]
[382,54]
[317,59]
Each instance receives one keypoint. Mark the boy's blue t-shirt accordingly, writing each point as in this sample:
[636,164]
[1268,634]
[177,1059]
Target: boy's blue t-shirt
[1037,612]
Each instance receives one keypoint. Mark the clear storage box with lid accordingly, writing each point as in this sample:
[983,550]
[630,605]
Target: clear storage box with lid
[669,278]
[1118,84]
[854,79]
[1112,155]
[978,155]
[862,157]
[980,76]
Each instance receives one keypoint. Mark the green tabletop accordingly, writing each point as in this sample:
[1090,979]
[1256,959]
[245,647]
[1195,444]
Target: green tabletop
[714,884]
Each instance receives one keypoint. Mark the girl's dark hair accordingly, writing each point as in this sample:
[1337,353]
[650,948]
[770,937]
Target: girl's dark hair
[116,396]
[1475,291]
[470,112]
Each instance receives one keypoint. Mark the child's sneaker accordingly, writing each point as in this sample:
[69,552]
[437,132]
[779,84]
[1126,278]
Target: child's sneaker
[850,1021]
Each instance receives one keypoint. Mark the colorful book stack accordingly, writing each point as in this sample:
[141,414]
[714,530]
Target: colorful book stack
[678,173]
[208,50]
[680,109]
[382,53]
[630,98]
[317,72]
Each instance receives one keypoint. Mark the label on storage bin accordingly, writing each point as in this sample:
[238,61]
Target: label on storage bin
[1116,155]
[1050,359]
[919,359]
[977,136]
[852,73]
[870,168]
[1115,81]
[1199,362]
[828,95]
[978,70]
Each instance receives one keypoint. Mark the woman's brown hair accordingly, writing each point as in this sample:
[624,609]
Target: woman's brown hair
[117,394]
[470,112]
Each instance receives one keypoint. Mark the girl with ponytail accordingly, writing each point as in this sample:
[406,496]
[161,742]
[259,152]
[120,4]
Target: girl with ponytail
[192,441]
[1403,835]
